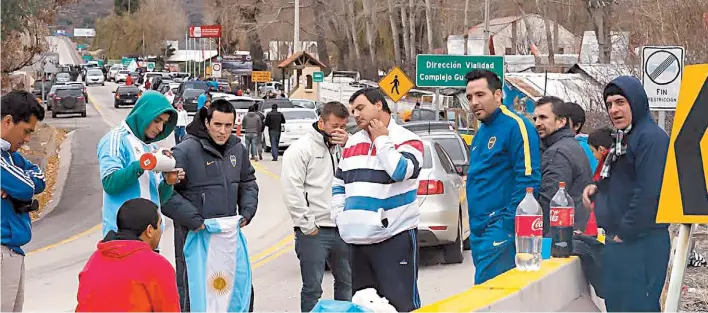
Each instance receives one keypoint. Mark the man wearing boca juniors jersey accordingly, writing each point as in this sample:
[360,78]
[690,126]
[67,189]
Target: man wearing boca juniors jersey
[562,160]
[504,161]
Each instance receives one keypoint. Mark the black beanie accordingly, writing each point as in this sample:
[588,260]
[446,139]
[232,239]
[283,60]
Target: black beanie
[612,90]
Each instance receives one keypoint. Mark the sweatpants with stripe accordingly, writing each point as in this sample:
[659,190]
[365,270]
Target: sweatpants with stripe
[493,252]
[390,267]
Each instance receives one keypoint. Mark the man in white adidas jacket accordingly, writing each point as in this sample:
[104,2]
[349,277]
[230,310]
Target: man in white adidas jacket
[307,172]
[374,205]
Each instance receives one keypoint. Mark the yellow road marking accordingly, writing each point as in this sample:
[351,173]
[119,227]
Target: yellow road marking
[272,257]
[100,112]
[67,240]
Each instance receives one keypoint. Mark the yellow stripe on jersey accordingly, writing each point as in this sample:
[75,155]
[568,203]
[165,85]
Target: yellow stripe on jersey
[524,137]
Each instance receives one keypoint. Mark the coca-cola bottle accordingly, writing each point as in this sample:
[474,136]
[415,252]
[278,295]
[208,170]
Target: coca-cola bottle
[529,233]
[562,216]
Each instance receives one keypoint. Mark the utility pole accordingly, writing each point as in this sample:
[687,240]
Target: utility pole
[296,35]
[128,7]
[486,27]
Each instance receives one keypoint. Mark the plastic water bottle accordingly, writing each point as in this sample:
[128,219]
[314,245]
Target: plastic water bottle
[529,233]
[562,221]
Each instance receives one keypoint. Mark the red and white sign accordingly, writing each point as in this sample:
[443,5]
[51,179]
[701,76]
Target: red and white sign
[529,225]
[562,216]
[205,31]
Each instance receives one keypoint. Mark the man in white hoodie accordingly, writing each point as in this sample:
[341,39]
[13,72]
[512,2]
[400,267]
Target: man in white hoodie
[308,168]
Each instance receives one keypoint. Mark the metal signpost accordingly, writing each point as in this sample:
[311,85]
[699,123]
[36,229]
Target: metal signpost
[318,77]
[662,72]
[683,190]
[442,70]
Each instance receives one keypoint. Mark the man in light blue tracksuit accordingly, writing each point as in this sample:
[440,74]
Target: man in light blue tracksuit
[504,160]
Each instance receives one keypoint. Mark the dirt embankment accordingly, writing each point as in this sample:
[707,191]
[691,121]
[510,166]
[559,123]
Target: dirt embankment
[43,150]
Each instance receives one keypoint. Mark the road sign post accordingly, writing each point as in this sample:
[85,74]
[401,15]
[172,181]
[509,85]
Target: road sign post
[683,190]
[318,77]
[260,76]
[216,70]
[395,85]
[441,70]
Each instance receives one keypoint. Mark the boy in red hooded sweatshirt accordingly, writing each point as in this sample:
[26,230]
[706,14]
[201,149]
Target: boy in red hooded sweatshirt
[125,274]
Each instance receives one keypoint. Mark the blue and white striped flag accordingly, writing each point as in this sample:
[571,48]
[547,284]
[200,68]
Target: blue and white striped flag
[218,270]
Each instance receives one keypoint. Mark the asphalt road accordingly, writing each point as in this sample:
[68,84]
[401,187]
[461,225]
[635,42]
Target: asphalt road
[65,238]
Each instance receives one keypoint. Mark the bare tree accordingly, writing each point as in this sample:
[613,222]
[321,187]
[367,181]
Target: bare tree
[598,9]
[429,25]
[549,37]
[351,19]
[369,13]
[392,17]
[411,27]
[406,31]
[319,12]
[467,23]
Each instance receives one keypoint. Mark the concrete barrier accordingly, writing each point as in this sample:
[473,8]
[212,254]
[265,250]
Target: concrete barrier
[559,286]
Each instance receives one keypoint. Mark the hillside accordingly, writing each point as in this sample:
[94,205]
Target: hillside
[84,13]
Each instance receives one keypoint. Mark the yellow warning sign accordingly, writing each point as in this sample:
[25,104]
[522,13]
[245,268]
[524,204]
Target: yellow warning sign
[396,84]
[684,193]
[260,76]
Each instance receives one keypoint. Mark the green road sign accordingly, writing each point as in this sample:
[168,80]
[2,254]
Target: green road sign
[318,77]
[441,70]
[126,61]
[82,46]
[150,66]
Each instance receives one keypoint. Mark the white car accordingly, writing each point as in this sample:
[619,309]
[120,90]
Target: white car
[121,76]
[94,77]
[303,103]
[114,70]
[297,122]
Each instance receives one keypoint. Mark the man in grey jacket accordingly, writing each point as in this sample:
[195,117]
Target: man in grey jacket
[562,159]
[221,182]
[252,127]
[307,172]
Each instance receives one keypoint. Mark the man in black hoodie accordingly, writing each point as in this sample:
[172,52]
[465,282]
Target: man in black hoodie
[636,254]
[221,180]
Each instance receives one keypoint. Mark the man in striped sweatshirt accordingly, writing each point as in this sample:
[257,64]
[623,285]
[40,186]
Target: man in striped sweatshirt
[374,194]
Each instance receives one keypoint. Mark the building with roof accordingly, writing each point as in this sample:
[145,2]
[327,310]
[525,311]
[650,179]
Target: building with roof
[301,67]
[509,36]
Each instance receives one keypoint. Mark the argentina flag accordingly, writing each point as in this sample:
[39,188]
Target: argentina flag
[218,269]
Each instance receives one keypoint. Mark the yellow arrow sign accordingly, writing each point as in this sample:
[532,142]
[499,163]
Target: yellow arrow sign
[684,193]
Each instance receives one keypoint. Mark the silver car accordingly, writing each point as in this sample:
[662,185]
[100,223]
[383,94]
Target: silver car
[443,204]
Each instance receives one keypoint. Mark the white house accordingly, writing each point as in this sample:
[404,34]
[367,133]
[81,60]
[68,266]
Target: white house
[510,37]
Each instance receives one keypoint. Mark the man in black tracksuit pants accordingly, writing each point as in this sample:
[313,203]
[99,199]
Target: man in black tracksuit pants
[636,253]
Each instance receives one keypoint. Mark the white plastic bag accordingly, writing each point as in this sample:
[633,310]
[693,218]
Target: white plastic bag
[371,300]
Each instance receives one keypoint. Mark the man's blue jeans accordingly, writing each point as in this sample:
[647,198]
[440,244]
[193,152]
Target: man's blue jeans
[274,142]
[313,251]
[252,144]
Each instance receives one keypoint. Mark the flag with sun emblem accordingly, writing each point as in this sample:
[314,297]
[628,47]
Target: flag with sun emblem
[218,270]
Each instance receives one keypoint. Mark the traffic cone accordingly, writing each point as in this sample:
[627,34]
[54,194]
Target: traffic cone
[238,127]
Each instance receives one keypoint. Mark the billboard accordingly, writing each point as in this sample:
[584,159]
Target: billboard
[84,32]
[240,64]
[205,31]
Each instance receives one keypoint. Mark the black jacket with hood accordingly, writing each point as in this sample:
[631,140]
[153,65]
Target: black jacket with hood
[563,160]
[627,200]
[217,183]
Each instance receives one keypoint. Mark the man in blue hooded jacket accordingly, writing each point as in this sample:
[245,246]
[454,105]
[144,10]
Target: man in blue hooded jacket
[636,254]
[505,159]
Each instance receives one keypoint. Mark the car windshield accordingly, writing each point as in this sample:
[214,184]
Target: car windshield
[299,115]
[241,104]
[128,89]
[304,104]
[95,73]
[193,93]
[282,103]
[124,72]
[427,158]
[196,85]
[63,75]
[453,147]
[69,93]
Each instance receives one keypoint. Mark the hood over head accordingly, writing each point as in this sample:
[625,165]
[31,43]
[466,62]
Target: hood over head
[149,106]
[631,88]
[119,245]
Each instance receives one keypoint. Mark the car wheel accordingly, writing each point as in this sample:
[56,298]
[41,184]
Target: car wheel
[83,114]
[452,252]
[54,115]
[103,84]
[115,105]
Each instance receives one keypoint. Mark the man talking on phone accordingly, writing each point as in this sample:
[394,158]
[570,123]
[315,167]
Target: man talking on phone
[308,168]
